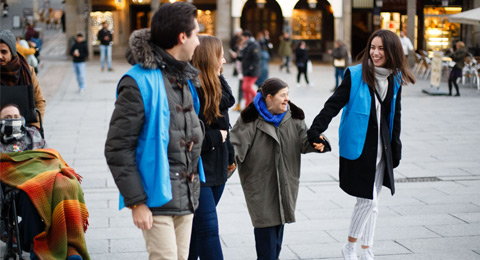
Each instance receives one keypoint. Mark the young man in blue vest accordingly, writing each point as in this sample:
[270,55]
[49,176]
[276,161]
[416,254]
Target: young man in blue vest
[155,137]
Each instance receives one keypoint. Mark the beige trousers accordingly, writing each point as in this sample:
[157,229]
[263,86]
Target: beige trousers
[169,238]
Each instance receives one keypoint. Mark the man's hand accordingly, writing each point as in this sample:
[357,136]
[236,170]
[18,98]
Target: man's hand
[142,217]
[319,146]
[231,167]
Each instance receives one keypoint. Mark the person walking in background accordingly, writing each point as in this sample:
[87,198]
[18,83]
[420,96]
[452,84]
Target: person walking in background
[285,51]
[269,138]
[105,37]
[28,50]
[458,56]
[29,31]
[217,152]
[155,137]
[79,52]
[250,57]
[340,61]
[369,134]
[14,71]
[301,60]
[236,45]
[265,58]
[407,45]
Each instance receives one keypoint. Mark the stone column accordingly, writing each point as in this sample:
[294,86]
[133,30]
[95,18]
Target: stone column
[154,5]
[224,23]
[347,23]
[411,12]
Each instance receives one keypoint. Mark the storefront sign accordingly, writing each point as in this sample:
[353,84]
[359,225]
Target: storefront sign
[436,74]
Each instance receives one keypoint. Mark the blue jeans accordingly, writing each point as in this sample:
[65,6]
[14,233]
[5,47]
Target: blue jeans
[205,241]
[264,68]
[268,242]
[339,72]
[106,50]
[79,68]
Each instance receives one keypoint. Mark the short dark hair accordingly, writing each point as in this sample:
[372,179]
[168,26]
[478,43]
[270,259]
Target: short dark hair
[169,21]
[79,35]
[271,86]
[247,33]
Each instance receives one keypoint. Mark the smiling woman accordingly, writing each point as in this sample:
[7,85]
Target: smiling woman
[269,138]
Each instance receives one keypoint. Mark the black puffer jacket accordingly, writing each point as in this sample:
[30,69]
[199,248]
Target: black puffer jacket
[185,131]
[250,57]
[217,155]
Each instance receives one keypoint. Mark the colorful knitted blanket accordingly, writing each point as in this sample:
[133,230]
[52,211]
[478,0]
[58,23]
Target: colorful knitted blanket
[54,189]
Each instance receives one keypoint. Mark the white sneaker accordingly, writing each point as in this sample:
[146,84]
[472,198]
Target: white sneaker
[367,254]
[298,85]
[348,252]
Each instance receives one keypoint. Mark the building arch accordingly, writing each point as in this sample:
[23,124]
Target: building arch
[268,18]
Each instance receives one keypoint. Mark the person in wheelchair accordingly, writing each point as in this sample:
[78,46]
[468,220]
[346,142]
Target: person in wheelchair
[15,136]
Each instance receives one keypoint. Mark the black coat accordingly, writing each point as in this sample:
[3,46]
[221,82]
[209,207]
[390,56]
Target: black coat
[357,176]
[82,48]
[301,57]
[217,155]
[250,57]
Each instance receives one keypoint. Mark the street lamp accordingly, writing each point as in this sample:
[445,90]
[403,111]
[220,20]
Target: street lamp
[261,3]
[312,3]
[379,3]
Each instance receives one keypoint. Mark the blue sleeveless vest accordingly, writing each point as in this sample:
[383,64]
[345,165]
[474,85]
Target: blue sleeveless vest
[355,115]
[154,137]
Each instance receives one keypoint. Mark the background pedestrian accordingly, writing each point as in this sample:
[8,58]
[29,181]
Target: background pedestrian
[79,52]
[105,37]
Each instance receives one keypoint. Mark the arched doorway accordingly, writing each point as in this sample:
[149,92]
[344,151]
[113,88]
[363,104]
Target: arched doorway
[268,18]
[314,26]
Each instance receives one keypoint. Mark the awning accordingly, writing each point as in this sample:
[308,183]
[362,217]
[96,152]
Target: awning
[468,17]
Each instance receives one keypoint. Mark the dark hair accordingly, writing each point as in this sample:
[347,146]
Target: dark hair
[79,35]
[247,33]
[169,21]
[11,105]
[271,86]
[394,58]
[36,34]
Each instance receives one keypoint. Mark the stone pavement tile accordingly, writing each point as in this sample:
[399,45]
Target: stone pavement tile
[240,253]
[436,209]
[332,250]
[114,233]
[97,246]
[124,221]
[120,256]
[418,220]
[387,233]
[451,199]
[462,189]
[97,222]
[136,245]
[454,254]
[234,223]
[292,237]
[239,240]
[457,230]
[444,245]
[470,217]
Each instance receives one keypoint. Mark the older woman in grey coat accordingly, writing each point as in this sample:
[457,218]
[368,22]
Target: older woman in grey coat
[269,138]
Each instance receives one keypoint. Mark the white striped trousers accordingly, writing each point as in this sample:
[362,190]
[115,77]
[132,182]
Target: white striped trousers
[364,217]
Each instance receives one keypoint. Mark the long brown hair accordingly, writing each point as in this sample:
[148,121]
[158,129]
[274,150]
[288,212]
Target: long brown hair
[394,59]
[205,59]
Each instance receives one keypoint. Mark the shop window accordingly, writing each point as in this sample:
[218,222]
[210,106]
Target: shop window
[206,21]
[439,32]
[96,20]
[306,24]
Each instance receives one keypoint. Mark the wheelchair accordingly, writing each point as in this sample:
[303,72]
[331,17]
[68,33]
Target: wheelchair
[23,97]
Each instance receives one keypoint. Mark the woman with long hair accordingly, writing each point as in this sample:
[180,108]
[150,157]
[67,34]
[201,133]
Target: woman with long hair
[217,152]
[369,132]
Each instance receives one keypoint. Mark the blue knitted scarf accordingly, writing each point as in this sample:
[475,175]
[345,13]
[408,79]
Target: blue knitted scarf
[262,109]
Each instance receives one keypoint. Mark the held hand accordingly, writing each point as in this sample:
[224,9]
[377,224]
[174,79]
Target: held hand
[319,146]
[224,135]
[231,167]
[142,217]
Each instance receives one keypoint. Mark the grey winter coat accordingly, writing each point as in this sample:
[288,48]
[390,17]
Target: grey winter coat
[186,132]
[268,160]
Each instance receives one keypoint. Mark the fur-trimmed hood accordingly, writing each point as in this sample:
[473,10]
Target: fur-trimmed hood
[250,113]
[150,56]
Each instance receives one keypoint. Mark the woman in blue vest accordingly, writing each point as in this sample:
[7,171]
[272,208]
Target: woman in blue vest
[369,132]
[217,152]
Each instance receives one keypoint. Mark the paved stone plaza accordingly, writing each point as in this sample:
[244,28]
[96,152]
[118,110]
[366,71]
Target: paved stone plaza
[435,213]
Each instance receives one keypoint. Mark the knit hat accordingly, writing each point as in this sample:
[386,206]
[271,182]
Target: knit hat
[8,38]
